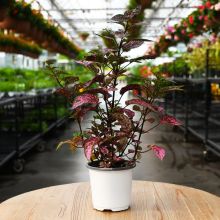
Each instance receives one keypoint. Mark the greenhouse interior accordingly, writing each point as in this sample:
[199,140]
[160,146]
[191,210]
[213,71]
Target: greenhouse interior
[103,96]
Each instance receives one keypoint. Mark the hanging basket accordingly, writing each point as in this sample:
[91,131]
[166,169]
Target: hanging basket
[8,23]
[19,26]
[29,54]
[3,12]
[23,27]
[146,3]
[38,36]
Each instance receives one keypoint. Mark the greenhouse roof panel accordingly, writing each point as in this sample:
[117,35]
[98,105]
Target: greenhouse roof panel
[80,16]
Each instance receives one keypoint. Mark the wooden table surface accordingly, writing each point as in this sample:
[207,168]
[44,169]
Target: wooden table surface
[150,200]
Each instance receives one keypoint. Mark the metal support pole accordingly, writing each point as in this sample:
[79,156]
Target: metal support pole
[207,98]
[17,130]
[186,103]
[55,106]
[39,105]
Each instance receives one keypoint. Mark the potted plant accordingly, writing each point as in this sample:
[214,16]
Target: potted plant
[112,144]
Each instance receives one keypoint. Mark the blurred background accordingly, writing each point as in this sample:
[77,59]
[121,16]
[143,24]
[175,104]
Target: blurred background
[185,47]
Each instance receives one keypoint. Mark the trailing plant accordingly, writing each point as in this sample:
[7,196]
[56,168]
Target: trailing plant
[205,19]
[12,44]
[114,137]
[42,31]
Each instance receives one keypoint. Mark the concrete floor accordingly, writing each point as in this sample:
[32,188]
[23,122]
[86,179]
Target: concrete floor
[184,164]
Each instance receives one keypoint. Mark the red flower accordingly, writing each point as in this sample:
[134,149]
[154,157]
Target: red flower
[201,7]
[145,71]
[208,4]
[191,35]
[191,19]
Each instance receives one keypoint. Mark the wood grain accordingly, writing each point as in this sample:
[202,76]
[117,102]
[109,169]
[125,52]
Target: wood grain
[150,200]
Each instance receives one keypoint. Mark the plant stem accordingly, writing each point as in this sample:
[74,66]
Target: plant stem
[81,132]
[142,126]
[152,128]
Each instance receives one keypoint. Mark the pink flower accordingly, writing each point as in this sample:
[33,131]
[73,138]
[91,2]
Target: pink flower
[183,31]
[158,151]
[167,119]
[170,29]
[85,99]
[176,38]
[200,17]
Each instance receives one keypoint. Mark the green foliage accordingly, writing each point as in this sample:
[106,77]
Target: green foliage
[134,76]
[196,60]
[18,45]
[25,79]
[22,11]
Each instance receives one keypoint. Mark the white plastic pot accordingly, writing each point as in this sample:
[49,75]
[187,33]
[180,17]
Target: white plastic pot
[111,188]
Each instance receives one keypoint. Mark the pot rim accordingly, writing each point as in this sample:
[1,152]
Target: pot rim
[110,169]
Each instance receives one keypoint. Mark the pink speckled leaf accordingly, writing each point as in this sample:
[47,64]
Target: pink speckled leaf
[129,113]
[159,109]
[167,119]
[102,91]
[158,151]
[97,78]
[130,87]
[104,150]
[85,99]
[89,145]
[140,102]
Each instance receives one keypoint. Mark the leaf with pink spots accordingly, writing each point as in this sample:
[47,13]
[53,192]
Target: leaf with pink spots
[85,99]
[140,102]
[167,119]
[89,146]
[158,151]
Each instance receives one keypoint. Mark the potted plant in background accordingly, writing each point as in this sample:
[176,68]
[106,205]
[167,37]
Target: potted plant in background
[112,144]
